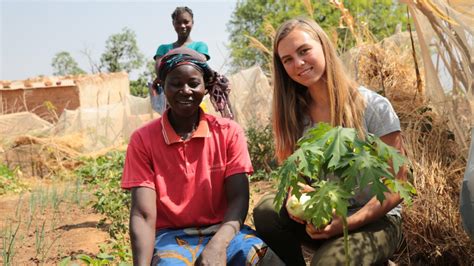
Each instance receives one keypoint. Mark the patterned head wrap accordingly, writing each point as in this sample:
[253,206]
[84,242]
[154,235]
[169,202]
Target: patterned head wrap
[217,85]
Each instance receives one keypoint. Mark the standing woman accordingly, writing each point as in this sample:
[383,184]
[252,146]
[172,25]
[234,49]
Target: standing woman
[183,22]
[312,86]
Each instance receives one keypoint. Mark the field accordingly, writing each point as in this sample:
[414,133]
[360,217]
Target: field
[56,222]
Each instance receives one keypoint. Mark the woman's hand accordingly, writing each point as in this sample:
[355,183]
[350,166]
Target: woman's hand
[334,228]
[212,255]
[237,193]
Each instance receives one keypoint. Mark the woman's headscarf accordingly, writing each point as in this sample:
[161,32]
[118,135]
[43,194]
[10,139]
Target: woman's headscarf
[217,85]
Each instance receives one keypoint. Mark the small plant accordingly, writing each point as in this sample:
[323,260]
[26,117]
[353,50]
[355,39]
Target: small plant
[100,259]
[77,195]
[42,196]
[10,180]
[339,164]
[9,237]
[31,211]
[42,245]
[39,239]
[261,149]
[55,199]
[51,109]
[119,249]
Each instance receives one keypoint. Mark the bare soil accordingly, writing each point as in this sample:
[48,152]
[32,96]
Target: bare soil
[70,229]
[47,233]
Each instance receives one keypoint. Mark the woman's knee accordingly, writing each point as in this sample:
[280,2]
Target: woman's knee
[264,212]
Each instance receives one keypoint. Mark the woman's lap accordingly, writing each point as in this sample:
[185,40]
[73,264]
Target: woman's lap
[372,243]
[183,247]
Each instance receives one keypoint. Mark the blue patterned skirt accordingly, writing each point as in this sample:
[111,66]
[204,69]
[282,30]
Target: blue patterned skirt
[183,247]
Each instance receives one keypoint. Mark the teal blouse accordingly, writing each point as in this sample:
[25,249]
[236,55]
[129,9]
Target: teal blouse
[200,47]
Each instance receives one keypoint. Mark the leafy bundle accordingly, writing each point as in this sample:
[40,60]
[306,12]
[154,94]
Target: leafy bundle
[339,164]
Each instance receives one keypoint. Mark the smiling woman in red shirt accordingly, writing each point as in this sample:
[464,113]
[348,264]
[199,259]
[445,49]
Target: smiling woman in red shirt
[187,173]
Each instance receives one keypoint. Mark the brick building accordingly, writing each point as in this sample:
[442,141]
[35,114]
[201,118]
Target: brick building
[49,96]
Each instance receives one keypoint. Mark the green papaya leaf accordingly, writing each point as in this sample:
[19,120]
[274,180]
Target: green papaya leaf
[405,189]
[339,163]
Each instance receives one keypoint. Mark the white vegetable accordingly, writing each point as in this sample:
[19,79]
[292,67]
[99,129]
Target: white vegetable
[295,205]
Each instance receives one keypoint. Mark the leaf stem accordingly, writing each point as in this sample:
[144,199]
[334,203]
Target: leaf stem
[346,240]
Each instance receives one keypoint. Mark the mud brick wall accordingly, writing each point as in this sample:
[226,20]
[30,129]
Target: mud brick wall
[49,97]
[103,89]
[39,100]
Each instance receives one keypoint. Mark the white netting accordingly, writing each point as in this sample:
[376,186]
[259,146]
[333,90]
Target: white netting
[108,125]
[446,39]
[22,123]
[91,128]
[250,97]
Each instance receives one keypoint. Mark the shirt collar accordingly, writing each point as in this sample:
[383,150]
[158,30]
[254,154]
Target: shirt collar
[170,135]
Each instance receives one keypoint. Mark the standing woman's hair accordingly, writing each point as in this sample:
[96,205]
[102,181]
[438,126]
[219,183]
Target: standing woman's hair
[291,100]
[181,9]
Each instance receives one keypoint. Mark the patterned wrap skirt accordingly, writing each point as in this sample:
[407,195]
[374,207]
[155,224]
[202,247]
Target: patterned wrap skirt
[183,247]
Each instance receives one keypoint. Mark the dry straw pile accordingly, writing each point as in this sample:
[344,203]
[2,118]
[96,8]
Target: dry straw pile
[394,67]
[432,227]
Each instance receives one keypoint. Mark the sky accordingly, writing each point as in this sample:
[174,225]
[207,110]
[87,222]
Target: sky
[32,32]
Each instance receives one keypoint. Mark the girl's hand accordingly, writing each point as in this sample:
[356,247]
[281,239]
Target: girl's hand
[294,218]
[304,188]
[334,228]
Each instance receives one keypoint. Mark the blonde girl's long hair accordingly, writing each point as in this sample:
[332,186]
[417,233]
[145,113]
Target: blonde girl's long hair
[291,100]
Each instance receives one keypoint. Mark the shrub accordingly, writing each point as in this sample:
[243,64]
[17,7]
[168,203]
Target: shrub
[261,149]
[104,174]
[10,181]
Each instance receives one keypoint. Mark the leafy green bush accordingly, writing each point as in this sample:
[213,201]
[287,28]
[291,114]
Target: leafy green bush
[261,149]
[104,174]
[139,87]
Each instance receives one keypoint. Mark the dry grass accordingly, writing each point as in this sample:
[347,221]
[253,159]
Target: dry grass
[41,157]
[432,227]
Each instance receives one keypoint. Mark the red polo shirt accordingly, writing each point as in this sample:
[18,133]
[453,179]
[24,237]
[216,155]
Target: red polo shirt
[188,176]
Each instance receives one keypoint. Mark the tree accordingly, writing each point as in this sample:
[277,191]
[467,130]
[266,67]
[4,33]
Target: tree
[122,52]
[258,19]
[63,64]
[94,66]
[139,87]
[248,19]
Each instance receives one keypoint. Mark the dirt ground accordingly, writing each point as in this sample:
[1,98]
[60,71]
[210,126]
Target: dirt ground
[48,234]
[53,231]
